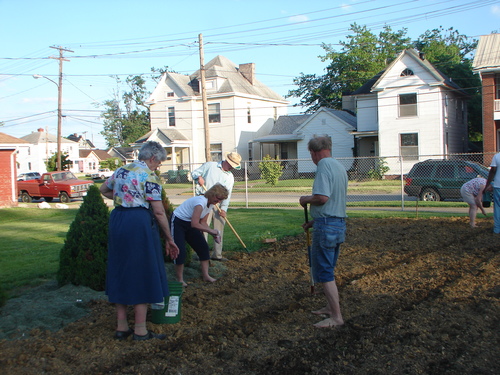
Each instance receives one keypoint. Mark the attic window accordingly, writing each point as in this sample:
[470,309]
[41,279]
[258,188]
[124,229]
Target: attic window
[170,94]
[406,72]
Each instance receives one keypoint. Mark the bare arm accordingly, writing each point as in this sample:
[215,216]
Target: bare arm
[313,200]
[171,248]
[200,223]
[106,191]
[491,176]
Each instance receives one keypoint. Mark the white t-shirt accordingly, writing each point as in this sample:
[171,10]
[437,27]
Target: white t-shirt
[186,209]
[495,162]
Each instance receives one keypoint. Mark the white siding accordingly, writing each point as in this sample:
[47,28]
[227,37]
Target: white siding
[324,123]
[367,113]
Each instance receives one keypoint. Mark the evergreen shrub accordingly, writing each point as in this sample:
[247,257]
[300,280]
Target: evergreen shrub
[82,260]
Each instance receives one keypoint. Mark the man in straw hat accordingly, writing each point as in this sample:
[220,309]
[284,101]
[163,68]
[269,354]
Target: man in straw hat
[209,174]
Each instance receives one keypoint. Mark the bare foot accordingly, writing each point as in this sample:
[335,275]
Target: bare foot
[328,323]
[323,311]
[183,283]
[209,279]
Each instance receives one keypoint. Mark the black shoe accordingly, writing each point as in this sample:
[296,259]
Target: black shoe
[150,335]
[220,259]
[122,335]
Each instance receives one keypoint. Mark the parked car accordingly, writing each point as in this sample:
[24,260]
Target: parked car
[435,180]
[28,176]
[63,185]
[102,173]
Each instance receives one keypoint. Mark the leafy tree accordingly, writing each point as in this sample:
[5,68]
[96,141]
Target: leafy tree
[111,163]
[124,125]
[82,260]
[362,56]
[449,51]
[126,116]
[52,162]
[270,170]
[365,54]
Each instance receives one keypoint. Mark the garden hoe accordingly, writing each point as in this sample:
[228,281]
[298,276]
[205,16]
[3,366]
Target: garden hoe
[308,236]
[230,226]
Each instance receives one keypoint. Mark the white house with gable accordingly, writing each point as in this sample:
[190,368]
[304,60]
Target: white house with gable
[43,146]
[240,108]
[409,110]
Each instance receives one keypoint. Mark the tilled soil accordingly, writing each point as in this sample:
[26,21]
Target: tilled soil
[419,296]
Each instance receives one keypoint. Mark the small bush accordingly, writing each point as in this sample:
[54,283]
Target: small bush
[270,170]
[379,170]
[82,260]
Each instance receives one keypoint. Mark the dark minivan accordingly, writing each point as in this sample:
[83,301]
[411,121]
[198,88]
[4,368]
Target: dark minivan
[435,180]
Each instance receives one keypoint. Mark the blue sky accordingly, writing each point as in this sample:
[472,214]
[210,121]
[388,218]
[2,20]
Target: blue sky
[109,38]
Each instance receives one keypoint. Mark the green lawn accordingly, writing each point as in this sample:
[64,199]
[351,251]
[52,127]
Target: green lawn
[32,238]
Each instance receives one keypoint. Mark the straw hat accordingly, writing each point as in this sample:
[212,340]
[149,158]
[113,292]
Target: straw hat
[234,160]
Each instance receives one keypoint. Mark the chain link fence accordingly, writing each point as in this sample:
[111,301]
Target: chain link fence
[372,180]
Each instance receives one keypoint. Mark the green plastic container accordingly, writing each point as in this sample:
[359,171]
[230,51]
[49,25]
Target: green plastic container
[170,313]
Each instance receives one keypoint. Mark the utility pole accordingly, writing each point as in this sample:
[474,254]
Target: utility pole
[59,103]
[204,101]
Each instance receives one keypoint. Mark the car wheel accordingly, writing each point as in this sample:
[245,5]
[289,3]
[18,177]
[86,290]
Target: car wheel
[26,198]
[48,199]
[103,177]
[430,195]
[64,197]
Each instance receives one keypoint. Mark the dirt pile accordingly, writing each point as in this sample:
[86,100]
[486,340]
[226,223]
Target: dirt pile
[418,297]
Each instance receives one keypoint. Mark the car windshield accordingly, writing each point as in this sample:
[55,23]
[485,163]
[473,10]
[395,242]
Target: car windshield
[63,176]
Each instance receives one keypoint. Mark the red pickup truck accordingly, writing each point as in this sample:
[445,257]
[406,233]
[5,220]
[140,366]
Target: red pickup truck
[63,185]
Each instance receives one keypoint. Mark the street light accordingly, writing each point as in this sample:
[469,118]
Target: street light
[59,116]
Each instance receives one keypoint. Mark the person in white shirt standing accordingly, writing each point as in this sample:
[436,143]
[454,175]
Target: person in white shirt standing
[493,184]
[209,174]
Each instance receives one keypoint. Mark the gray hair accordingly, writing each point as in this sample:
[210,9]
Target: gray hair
[319,143]
[152,149]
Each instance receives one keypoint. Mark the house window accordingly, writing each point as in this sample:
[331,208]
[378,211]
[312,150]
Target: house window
[210,84]
[249,116]
[409,146]
[29,166]
[170,94]
[171,116]
[497,87]
[407,105]
[214,113]
[406,72]
[216,151]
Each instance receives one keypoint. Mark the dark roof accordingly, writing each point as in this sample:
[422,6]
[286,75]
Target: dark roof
[287,124]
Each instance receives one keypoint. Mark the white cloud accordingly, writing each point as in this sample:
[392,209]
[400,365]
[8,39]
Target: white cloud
[298,19]
[495,9]
[346,7]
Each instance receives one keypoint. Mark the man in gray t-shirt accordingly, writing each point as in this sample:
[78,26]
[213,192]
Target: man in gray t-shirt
[328,210]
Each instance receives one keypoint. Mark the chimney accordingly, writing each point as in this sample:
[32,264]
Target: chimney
[248,71]
[40,130]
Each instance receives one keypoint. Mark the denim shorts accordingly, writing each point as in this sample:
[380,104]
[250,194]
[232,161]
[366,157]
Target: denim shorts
[328,234]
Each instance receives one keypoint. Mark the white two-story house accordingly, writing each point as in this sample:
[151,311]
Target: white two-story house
[240,108]
[43,146]
[409,110]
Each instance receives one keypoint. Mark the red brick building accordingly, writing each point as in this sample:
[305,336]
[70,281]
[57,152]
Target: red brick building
[9,147]
[487,64]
